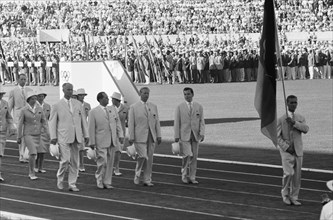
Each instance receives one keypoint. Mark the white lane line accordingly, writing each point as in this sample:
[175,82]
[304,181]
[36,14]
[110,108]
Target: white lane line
[175,184]
[217,179]
[123,202]
[232,162]
[15,216]
[203,169]
[68,209]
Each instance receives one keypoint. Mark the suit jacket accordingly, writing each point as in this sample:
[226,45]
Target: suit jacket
[140,121]
[47,110]
[185,123]
[6,120]
[283,133]
[123,116]
[87,108]
[31,123]
[16,101]
[66,125]
[102,130]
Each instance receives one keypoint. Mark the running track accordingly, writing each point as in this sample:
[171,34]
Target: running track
[225,191]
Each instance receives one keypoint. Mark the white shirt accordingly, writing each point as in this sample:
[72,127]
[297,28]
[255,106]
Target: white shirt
[33,109]
[189,105]
[70,103]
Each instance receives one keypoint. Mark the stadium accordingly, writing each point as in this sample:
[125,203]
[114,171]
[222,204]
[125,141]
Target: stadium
[213,47]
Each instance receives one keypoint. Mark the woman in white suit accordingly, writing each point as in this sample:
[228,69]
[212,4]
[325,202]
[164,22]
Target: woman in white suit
[31,122]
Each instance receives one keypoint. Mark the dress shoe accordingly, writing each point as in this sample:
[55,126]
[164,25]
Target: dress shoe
[100,186]
[185,180]
[295,203]
[286,201]
[118,173]
[82,170]
[136,180]
[33,177]
[194,182]
[107,186]
[1,179]
[148,184]
[41,171]
[60,185]
[36,170]
[73,189]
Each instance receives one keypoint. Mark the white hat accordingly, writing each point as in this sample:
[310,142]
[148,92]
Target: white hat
[81,92]
[91,154]
[30,94]
[116,95]
[175,147]
[2,90]
[131,152]
[25,155]
[54,150]
[74,92]
[329,184]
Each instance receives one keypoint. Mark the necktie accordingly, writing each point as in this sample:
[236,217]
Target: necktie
[23,94]
[69,105]
[190,104]
[107,114]
[146,107]
[291,129]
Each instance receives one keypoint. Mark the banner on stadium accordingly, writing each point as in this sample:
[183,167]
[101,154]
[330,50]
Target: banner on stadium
[54,35]
[98,76]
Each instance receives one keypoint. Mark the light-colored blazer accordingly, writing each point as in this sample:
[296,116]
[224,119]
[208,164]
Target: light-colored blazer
[185,123]
[123,116]
[66,125]
[6,120]
[283,133]
[16,101]
[46,109]
[31,123]
[86,108]
[102,130]
[138,126]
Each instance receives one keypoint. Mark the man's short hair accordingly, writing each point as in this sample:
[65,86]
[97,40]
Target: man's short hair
[100,95]
[66,84]
[291,97]
[144,88]
[188,89]
[22,74]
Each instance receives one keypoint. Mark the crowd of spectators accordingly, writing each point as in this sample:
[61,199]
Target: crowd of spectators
[99,30]
[151,17]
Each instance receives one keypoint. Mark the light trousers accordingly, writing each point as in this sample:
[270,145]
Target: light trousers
[291,180]
[104,161]
[69,160]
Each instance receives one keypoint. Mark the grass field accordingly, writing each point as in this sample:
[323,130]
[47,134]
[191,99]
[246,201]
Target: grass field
[232,123]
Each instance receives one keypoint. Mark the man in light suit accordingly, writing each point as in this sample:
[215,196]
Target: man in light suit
[289,132]
[123,116]
[68,126]
[106,135]
[189,129]
[144,131]
[6,123]
[16,101]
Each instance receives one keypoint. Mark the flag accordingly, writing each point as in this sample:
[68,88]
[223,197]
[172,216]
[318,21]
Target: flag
[152,60]
[265,97]
[138,56]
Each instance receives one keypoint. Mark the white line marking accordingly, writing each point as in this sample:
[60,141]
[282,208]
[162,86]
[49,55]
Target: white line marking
[232,162]
[175,184]
[69,209]
[123,202]
[216,179]
[15,216]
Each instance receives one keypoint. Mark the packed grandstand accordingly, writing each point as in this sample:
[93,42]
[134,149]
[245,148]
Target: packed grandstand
[188,41]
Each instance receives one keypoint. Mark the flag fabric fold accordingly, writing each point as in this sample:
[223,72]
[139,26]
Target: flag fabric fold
[265,96]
